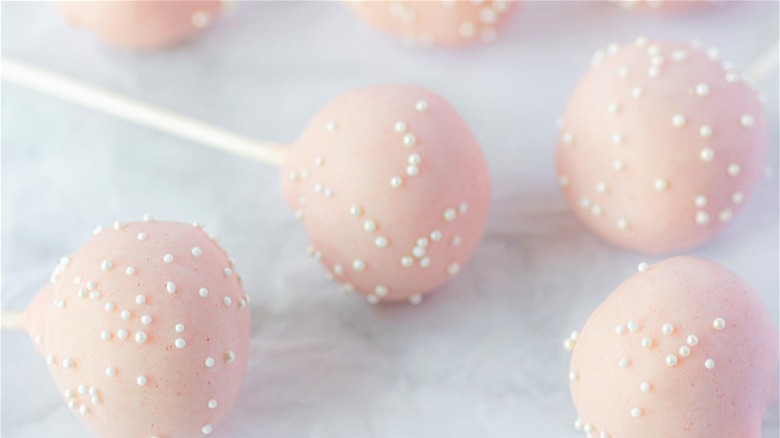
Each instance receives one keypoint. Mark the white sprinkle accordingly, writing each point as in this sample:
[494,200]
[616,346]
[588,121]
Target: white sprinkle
[421,106]
[110,371]
[179,328]
[596,210]
[644,387]
[203,292]
[719,324]
[617,138]
[121,334]
[435,235]
[140,337]
[355,210]
[707,154]
[170,287]
[702,217]
[415,299]
[412,170]
[678,120]
[622,223]
[91,285]
[409,140]
[380,290]
[702,90]
[623,72]
[212,404]
[456,241]
[642,267]
[692,340]
[700,201]
[709,364]
[168,258]
[338,269]
[130,270]
[725,215]
[68,363]
[226,300]
[661,184]
[613,108]
[110,307]
[196,251]
[747,120]
[230,356]
[684,351]
[400,127]
[50,359]
[125,314]
[106,265]
[425,262]
[82,389]
[142,235]
[453,268]
[667,329]
[369,225]
[207,429]
[330,126]
[617,165]
[141,380]
[118,225]
[83,410]
[358,265]
[94,295]
[396,182]
[636,412]
[210,362]
[105,335]
[573,376]
[737,197]
[601,187]
[568,138]
[633,326]
[647,342]
[733,169]
[705,131]
[422,242]
[624,363]
[636,92]
[407,261]
[381,242]
[319,161]
[179,343]
[671,360]
[418,251]
[619,330]
[449,214]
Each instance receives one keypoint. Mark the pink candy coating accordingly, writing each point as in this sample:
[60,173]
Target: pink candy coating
[392,188]
[660,146]
[427,23]
[683,349]
[146,331]
[140,24]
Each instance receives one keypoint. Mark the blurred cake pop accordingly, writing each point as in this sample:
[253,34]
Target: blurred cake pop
[392,188]
[440,23]
[683,348]
[660,145]
[145,330]
[142,24]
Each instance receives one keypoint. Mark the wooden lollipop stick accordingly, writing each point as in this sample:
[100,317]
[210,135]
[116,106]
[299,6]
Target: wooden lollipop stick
[139,112]
[764,65]
[11,320]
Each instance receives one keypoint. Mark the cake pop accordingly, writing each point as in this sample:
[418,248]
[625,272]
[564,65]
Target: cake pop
[683,348]
[389,182]
[145,330]
[142,24]
[441,23]
[660,145]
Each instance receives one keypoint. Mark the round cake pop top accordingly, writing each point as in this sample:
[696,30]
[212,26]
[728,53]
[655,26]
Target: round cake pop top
[392,189]
[683,348]
[140,24]
[660,145]
[145,330]
[428,23]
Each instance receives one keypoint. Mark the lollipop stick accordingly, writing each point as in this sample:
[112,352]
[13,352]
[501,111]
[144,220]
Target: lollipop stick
[764,65]
[11,320]
[139,112]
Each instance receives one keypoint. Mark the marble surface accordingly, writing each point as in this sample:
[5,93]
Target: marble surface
[481,357]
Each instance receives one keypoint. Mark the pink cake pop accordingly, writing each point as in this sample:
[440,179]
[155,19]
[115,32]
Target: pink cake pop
[141,24]
[683,348]
[389,182]
[146,331]
[392,188]
[445,23]
[660,145]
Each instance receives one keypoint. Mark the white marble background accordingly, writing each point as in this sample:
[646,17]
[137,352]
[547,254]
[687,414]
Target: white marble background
[482,357]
